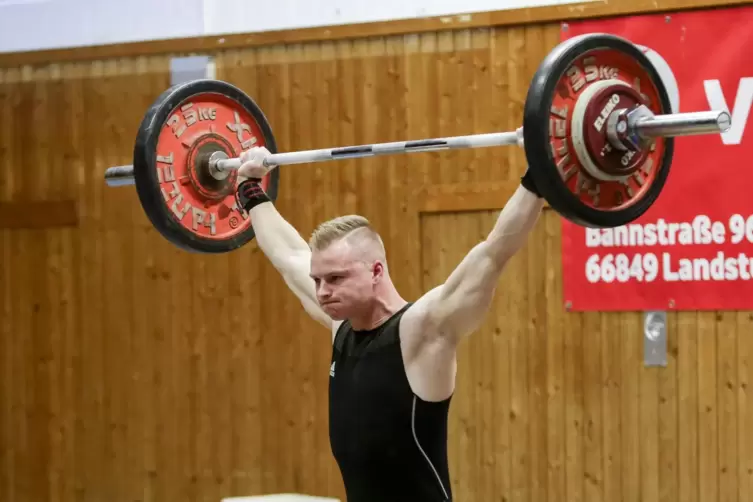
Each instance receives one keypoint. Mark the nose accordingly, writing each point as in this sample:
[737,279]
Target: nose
[323,292]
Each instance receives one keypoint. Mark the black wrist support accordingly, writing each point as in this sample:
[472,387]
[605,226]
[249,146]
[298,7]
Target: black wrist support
[529,185]
[250,194]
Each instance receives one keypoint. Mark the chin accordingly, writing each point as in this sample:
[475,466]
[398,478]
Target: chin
[335,313]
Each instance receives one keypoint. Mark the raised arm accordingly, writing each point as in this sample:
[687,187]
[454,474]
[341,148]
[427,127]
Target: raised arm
[280,242]
[289,254]
[458,306]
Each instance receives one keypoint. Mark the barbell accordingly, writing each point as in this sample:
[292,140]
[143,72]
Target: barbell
[597,133]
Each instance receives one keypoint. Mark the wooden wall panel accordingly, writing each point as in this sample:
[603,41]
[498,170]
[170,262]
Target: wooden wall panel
[137,372]
[76,409]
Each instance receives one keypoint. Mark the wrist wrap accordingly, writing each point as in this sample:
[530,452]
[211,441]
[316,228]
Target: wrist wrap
[528,184]
[250,194]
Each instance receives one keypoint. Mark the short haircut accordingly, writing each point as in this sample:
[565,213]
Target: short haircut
[343,226]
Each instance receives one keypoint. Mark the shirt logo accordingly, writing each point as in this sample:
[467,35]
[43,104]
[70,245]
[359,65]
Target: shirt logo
[332,369]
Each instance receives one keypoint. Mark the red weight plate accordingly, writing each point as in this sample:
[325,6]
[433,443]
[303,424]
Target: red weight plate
[602,65]
[573,91]
[191,205]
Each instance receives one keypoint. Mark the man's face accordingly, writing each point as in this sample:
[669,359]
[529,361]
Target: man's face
[345,283]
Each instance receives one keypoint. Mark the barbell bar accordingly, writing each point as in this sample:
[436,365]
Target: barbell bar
[124,174]
[598,134]
[677,124]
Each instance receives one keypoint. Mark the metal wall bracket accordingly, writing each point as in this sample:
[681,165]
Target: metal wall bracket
[655,338]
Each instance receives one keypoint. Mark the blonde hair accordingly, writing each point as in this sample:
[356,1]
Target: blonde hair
[342,226]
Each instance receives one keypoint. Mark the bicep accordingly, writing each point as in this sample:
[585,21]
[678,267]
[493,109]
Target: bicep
[459,305]
[478,272]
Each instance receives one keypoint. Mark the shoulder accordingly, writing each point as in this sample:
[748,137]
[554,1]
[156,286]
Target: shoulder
[338,327]
[429,357]
[417,323]
[420,310]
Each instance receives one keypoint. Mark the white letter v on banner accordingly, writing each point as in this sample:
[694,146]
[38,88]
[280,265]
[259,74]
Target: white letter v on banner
[739,115]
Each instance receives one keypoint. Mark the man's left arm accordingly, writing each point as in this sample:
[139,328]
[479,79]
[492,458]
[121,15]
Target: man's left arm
[458,306]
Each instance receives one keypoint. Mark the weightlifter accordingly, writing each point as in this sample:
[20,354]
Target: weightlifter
[393,366]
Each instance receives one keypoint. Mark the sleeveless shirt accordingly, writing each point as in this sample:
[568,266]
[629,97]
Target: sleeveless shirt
[389,444]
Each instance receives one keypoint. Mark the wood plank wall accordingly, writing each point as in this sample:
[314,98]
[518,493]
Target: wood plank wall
[132,371]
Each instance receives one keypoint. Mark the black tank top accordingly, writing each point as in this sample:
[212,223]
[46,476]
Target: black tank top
[390,445]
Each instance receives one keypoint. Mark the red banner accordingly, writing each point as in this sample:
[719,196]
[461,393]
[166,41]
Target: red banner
[693,250]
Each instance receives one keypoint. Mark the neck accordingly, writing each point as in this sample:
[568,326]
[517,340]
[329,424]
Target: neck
[384,307]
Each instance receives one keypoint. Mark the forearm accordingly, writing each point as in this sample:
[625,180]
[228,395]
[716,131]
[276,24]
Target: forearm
[515,222]
[289,254]
[277,238]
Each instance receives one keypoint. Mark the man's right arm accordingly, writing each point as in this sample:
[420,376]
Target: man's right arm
[278,240]
[289,253]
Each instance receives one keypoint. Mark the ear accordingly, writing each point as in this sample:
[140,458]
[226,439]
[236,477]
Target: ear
[377,270]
